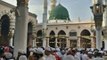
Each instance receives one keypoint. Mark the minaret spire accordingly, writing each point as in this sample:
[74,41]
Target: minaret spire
[53,4]
[44,26]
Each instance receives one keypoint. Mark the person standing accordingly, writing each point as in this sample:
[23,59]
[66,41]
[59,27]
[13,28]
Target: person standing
[70,55]
[48,55]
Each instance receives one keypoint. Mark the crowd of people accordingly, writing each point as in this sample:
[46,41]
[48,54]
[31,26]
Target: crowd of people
[6,53]
[50,53]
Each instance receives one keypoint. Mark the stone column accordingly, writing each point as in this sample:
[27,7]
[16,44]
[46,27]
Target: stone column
[92,42]
[98,38]
[35,42]
[47,42]
[33,39]
[20,41]
[56,41]
[11,39]
[78,43]
[67,42]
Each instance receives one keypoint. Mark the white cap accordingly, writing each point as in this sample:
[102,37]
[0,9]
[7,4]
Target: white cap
[101,52]
[53,49]
[48,48]
[22,51]
[40,51]
[8,55]
[32,50]
[90,53]
[57,49]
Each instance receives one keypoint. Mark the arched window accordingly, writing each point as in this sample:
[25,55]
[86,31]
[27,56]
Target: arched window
[39,38]
[61,32]
[39,33]
[85,33]
[61,41]
[52,39]
[5,25]
[85,39]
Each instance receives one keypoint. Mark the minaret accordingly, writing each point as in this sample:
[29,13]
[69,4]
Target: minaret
[44,26]
[98,10]
[53,4]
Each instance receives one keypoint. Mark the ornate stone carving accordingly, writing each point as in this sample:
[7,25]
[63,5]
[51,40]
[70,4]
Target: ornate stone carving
[17,13]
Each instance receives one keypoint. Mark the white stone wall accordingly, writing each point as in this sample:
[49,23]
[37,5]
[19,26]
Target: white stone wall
[52,27]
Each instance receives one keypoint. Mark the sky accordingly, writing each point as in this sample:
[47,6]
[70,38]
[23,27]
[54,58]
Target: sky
[76,8]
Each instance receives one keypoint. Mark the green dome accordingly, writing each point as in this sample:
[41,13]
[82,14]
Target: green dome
[59,12]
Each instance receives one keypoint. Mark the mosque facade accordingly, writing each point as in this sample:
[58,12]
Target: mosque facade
[63,32]
[60,31]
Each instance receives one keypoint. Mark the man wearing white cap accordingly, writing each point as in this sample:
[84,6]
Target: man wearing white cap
[58,52]
[22,55]
[48,55]
[40,53]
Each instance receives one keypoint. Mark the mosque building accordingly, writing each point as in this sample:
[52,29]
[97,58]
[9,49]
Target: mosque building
[61,31]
